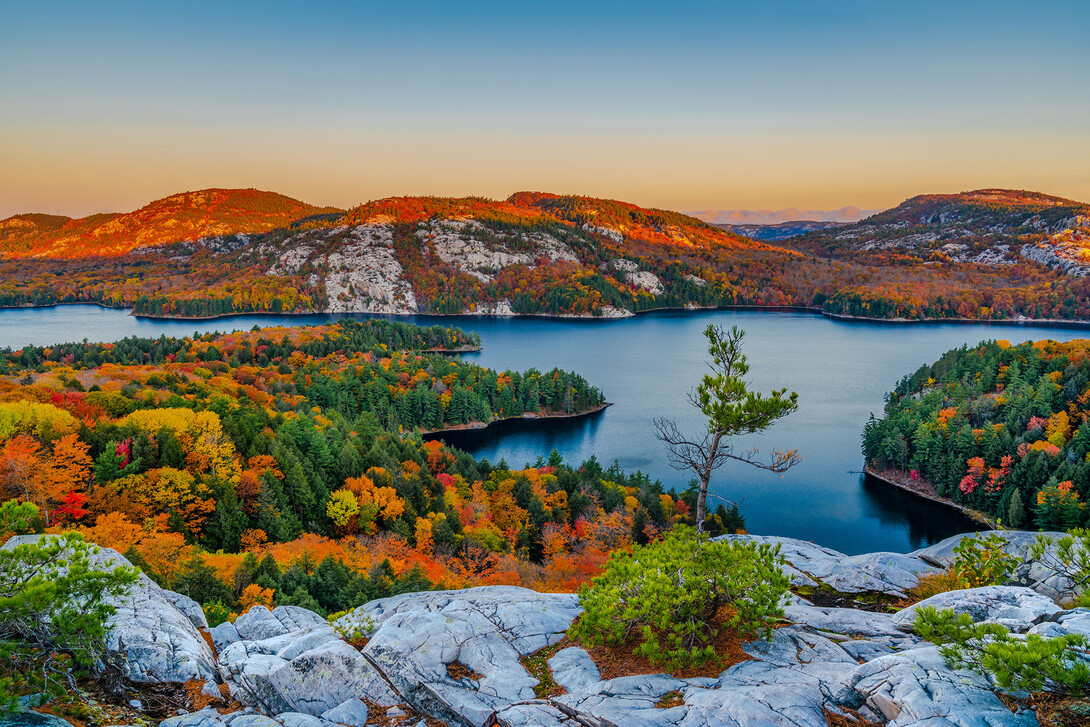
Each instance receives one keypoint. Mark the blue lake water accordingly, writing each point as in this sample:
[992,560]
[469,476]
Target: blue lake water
[646,365]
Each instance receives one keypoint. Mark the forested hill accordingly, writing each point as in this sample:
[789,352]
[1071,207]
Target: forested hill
[540,253]
[987,226]
[186,216]
[1002,429]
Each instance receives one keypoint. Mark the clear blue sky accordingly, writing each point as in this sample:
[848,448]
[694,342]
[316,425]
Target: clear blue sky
[105,106]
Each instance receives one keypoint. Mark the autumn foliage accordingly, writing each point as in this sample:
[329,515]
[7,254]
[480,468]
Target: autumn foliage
[287,465]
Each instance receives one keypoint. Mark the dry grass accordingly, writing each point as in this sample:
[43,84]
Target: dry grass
[376,717]
[850,718]
[208,640]
[1053,710]
[457,671]
[932,585]
[198,700]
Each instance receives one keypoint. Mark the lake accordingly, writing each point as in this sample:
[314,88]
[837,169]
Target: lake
[646,365]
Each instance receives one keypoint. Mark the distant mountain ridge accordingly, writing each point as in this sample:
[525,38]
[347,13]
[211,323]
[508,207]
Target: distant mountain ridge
[221,252]
[779,231]
[774,217]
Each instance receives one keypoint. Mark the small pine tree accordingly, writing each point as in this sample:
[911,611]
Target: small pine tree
[731,409]
[667,595]
[54,603]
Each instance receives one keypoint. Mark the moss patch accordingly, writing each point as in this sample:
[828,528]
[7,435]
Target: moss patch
[537,664]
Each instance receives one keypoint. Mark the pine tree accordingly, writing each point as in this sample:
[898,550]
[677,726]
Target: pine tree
[731,409]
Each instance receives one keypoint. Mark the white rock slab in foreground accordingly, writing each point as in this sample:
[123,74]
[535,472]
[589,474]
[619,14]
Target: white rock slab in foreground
[159,641]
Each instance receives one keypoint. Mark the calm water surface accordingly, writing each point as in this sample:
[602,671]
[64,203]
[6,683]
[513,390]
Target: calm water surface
[646,365]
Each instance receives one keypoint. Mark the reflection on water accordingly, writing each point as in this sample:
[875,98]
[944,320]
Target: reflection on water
[646,365]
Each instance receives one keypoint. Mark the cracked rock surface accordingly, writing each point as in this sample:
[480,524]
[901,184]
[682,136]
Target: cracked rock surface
[415,637]
[293,669]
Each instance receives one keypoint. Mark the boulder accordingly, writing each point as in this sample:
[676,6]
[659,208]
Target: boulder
[1075,621]
[260,623]
[223,635]
[1015,607]
[189,607]
[351,713]
[159,641]
[298,719]
[942,552]
[851,623]
[209,717]
[810,564]
[1027,572]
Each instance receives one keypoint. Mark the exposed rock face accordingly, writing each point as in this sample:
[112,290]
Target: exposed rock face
[1028,572]
[482,252]
[1015,607]
[415,637]
[916,687]
[361,271]
[365,275]
[352,713]
[811,564]
[209,717]
[292,669]
[573,669]
[607,232]
[296,662]
[159,641]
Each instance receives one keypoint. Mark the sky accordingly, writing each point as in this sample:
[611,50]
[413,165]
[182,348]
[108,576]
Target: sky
[106,106]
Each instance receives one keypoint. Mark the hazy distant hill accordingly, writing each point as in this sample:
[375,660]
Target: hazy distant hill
[775,217]
[185,216]
[780,231]
[988,226]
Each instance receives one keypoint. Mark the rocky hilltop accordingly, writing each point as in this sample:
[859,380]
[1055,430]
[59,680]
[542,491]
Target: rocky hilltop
[986,226]
[992,254]
[457,657]
[196,215]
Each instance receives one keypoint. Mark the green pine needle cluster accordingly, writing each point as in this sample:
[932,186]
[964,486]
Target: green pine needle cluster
[668,595]
[54,603]
[1030,663]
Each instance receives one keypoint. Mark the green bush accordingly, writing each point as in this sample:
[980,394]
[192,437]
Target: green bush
[1070,559]
[53,611]
[982,561]
[216,612]
[667,596]
[1031,663]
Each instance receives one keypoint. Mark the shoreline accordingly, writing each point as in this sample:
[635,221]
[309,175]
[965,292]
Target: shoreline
[526,416]
[452,351]
[900,480]
[842,317]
